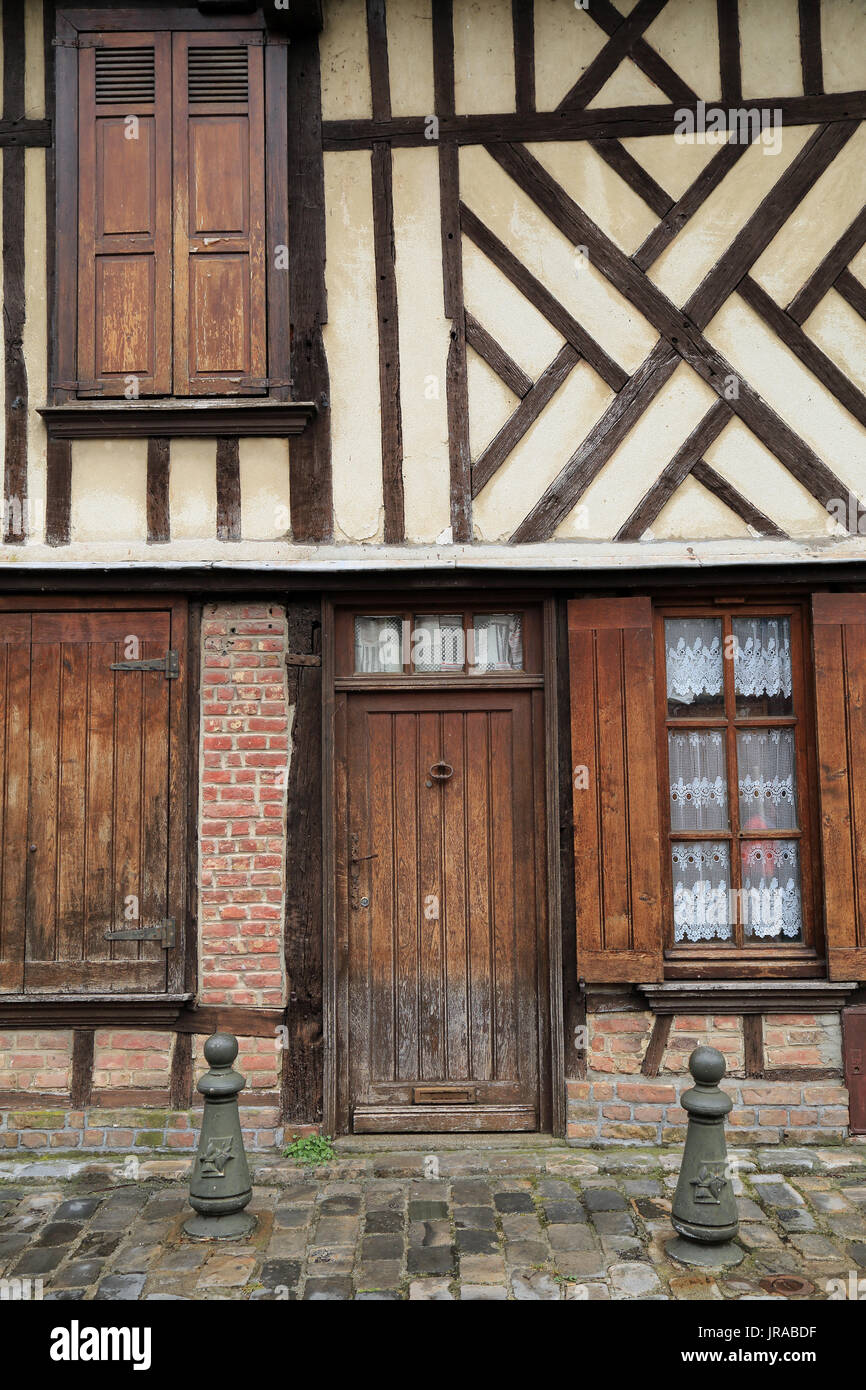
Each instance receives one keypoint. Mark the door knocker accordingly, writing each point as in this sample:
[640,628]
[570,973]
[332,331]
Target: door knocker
[439,772]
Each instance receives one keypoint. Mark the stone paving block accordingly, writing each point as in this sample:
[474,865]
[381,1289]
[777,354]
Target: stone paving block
[557,1190]
[422,1210]
[135,1259]
[520,1227]
[692,1287]
[321,1289]
[424,1234]
[512,1202]
[570,1212]
[437,1259]
[795,1219]
[98,1243]
[474,1242]
[12,1244]
[382,1247]
[182,1260]
[44,1259]
[475,1218]
[383,1222]
[635,1279]
[77,1209]
[526,1252]
[566,1237]
[749,1210]
[116,1288]
[330,1260]
[470,1192]
[430,1291]
[483,1293]
[285,1244]
[535,1286]
[337,1230]
[773,1191]
[613,1223]
[78,1273]
[348,1204]
[581,1264]
[620,1247]
[482,1269]
[756,1236]
[585,1292]
[829,1202]
[226,1271]
[603,1199]
[643,1187]
[378,1296]
[279,1273]
[379,1274]
[291,1217]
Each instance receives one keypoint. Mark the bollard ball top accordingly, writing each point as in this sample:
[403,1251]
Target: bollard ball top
[707,1065]
[221,1049]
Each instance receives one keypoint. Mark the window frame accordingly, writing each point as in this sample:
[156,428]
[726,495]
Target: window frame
[532,633]
[63,236]
[719,959]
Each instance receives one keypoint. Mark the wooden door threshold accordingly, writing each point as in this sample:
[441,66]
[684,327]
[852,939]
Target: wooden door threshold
[443,1119]
[360,1144]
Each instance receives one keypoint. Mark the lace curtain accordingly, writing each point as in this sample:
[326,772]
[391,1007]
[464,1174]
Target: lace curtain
[498,642]
[762,657]
[694,659]
[437,642]
[377,644]
[702,891]
[771,890]
[698,781]
[766,786]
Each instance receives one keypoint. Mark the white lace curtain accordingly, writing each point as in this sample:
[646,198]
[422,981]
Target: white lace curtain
[694,659]
[698,780]
[771,890]
[377,644]
[702,891]
[762,657]
[767,789]
[498,642]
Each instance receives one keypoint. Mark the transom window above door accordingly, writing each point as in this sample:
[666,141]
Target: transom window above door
[737,781]
[439,641]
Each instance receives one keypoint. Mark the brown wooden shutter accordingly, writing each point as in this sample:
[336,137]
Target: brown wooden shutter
[219,214]
[617,864]
[124,244]
[839,627]
[93,803]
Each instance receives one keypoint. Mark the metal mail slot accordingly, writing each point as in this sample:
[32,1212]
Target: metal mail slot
[444,1095]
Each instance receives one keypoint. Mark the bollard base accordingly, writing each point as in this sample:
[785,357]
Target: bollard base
[693,1252]
[231,1227]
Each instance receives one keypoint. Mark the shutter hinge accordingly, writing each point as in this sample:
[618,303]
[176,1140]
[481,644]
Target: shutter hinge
[165,933]
[301,659]
[65,43]
[168,664]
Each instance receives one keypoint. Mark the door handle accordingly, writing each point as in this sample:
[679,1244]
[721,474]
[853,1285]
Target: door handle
[441,772]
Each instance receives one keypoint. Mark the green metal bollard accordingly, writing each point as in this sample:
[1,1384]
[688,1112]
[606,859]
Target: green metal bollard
[704,1213]
[219,1187]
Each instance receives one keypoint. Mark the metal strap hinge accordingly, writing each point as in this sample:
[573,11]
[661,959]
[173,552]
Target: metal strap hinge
[165,933]
[168,664]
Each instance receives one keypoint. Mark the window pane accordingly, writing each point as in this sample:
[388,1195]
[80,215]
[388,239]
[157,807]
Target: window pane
[771,890]
[766,779]
[498,642]
[437,642]
[762,666]
[698,779]
[702,891]
[693,649]
[377,644]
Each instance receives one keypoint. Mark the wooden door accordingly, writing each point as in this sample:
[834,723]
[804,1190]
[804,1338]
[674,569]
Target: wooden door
[92,807]
[443,949]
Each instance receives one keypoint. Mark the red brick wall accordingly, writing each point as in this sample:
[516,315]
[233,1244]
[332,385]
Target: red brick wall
[244,765]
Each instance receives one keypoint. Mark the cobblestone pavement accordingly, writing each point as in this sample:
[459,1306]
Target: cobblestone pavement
[486,1225]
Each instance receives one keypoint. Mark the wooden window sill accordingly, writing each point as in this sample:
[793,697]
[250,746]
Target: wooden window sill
[745,995]
[89,1010]
[177,418]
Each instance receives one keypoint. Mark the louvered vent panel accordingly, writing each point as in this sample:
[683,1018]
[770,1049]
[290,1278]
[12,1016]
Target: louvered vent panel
[218,74]
[125,75]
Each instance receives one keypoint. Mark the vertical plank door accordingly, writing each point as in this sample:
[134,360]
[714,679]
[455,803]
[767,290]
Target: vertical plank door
[443,942]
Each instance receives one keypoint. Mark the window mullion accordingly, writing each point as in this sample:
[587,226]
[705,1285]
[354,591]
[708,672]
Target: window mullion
[731,752]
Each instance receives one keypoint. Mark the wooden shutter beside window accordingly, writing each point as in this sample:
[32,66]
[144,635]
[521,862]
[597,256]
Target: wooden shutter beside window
[92,810]
[124,244]
[839,626]
[219,214]
[616,818]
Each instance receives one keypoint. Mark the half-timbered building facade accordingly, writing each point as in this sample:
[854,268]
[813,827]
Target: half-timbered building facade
[433,565]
